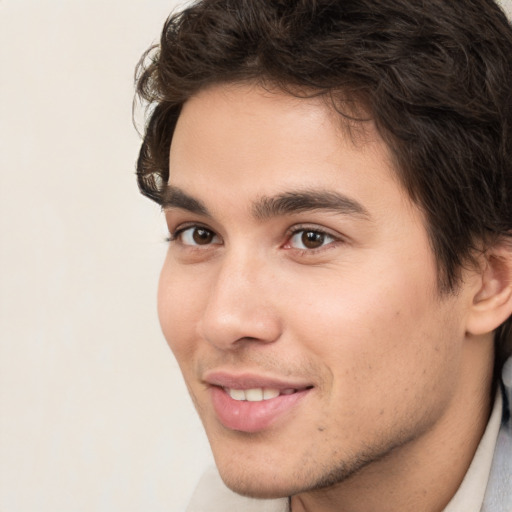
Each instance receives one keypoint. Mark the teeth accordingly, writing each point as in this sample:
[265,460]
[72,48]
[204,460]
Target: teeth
[254,395]
[237,394]
[257,394]
[270,393]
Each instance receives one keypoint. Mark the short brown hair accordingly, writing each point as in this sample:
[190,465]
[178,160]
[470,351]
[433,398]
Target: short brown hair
[436,78]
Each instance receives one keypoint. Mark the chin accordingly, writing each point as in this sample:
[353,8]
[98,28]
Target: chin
[255,484]
[258,490]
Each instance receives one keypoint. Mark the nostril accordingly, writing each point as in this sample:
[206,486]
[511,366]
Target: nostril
[248,339]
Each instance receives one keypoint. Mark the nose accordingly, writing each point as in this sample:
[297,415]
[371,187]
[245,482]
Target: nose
[240,307]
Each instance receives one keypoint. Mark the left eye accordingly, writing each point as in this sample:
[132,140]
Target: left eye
[310,239]
[197,235]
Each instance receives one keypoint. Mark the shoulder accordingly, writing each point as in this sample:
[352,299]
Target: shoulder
[498,497]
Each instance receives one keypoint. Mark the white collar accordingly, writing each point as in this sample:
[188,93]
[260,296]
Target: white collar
[470,495]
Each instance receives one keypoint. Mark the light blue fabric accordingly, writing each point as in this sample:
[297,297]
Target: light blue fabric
[498,495]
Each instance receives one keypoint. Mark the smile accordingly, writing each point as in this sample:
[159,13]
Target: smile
[250,412]
[257,394]
[252,403]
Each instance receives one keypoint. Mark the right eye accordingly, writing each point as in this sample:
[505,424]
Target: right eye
[195,236]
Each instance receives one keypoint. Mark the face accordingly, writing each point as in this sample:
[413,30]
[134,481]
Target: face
[299,293]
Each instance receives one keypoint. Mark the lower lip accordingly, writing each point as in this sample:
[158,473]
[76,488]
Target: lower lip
[251,417]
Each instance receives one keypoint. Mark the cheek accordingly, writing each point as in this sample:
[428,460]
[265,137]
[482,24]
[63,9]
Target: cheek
[387,363]
[378,335]
[179,303]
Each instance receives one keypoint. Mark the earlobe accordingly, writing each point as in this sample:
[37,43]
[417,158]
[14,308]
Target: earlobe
[492,303]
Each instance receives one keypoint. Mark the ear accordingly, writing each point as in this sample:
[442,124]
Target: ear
[492,302]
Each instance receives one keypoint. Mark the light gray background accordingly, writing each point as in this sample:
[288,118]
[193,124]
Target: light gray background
[93,412]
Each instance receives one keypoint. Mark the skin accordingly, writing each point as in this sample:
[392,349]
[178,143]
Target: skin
[400,385]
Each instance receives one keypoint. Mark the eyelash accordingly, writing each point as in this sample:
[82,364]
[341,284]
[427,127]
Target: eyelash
[175,235]
[296,230]
[290,234]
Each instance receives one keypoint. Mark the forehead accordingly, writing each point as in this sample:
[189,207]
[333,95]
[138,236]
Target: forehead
[251,141]
[270,105]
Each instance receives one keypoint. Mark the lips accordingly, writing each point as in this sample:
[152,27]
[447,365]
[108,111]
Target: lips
[249,403]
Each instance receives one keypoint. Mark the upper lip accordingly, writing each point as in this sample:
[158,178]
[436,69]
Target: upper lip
[244,381]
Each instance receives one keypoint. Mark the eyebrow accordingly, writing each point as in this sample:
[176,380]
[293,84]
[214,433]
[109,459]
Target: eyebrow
[267,207]
[308,200]
[174,197]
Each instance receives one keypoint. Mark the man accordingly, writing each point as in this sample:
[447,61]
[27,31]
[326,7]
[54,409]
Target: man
[336,176]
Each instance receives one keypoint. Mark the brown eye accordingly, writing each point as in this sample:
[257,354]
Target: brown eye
[197,235]
[312,239]
[202,236]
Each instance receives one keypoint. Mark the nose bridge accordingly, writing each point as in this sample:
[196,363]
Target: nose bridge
[239,306]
